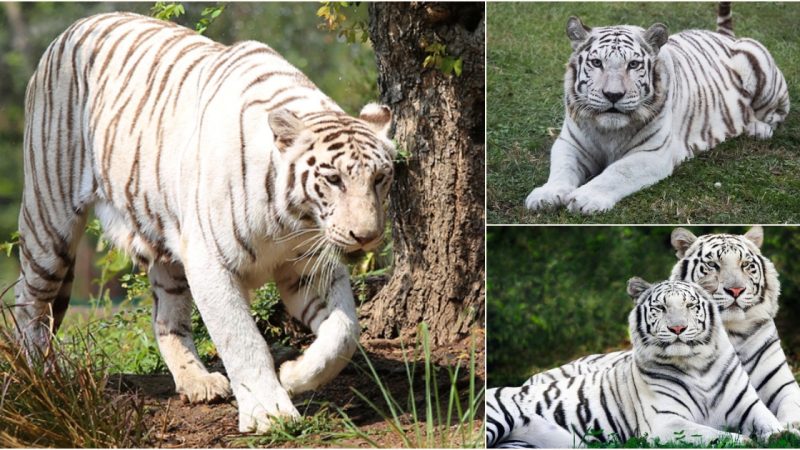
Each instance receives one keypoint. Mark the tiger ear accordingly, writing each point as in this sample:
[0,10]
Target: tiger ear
[755,235]
[577,32]
[378,118]
[681,240]
[286,127]
[656,36]
[636,286]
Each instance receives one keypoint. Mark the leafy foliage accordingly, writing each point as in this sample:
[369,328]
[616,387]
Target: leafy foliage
[438,58]
[167,11]
[209,15]
[354,28]
[558,293]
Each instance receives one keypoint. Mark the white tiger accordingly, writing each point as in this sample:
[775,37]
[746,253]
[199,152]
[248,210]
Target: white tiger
[683,375]
[745,287]
[216,167]
[639,102]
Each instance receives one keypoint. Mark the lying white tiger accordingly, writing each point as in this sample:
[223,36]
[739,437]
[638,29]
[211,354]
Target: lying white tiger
[218,168]
[683,375]
[745,287]
[638,103]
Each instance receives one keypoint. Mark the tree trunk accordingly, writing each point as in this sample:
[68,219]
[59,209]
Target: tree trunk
[437,198]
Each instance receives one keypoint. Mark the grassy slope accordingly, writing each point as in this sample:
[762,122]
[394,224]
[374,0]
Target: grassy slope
[528,49]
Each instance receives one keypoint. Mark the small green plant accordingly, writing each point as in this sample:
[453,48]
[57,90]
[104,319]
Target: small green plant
[450,419]
[209,15]
[324,426]
[167,11]
[8,246]
[438,58]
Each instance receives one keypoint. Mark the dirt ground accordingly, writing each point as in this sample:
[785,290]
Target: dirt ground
[176,424]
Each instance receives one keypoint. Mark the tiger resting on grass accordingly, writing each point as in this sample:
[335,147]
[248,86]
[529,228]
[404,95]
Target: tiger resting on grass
[682,377]
[744,284]
[218,168]
[639,102]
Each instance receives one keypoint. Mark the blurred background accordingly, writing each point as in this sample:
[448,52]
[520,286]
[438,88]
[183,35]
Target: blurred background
[344,70]
[558,293]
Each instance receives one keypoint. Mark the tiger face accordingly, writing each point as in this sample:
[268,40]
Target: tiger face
[612,77]
[339,173]
[671,319]
[743,283]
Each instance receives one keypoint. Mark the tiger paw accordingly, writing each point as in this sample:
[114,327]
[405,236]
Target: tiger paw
[548,196]
[589,201]
[759,130]
[203,388]
[258,416]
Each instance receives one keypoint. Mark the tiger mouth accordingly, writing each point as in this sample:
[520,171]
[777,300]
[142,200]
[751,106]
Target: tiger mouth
[613,110]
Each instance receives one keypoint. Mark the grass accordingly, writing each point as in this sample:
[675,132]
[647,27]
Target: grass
[448,420]
[64,403]
[782,440]
[527,51]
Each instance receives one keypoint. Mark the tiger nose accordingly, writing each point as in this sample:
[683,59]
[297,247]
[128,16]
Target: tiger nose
[613,97]
[677,329]
[365,238]
[734,292]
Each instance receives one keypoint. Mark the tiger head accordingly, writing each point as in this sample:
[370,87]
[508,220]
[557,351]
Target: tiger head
[336,175]
[743,283]
[672,321]
[613,76]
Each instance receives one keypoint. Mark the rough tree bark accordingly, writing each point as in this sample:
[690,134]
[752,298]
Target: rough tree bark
[437,200]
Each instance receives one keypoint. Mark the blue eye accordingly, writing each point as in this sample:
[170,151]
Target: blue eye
[633,65]
[596,63]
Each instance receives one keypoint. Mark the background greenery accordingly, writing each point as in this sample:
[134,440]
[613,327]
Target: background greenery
[527,50]
[557,293]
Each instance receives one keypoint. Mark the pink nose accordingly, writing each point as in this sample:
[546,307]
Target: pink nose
[677,329]
[734,292]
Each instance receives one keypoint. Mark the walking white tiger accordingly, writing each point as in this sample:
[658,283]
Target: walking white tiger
[745,287]
[639,102]
[216,167]
[683,375]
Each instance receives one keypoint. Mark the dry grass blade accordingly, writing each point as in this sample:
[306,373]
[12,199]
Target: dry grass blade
[64,402]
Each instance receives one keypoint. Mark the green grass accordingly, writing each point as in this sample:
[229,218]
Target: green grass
[446,419]
[782,440]
[527,51]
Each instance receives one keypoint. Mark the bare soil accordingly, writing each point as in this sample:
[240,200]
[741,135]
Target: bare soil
[174,423]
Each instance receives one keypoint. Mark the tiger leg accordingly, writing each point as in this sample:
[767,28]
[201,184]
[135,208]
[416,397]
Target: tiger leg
[47,246]
[567,172]
[622,178]
[759,77]
[510,424]
[330,313]
[221,300]
[172,326]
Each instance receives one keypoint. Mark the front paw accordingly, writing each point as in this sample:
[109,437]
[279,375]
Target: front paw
[259,415]
[547,196]
[589,201]
[203,388]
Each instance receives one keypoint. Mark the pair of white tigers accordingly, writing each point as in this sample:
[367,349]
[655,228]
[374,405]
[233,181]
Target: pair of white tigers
[639,102]
[684,372]
[216,167]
